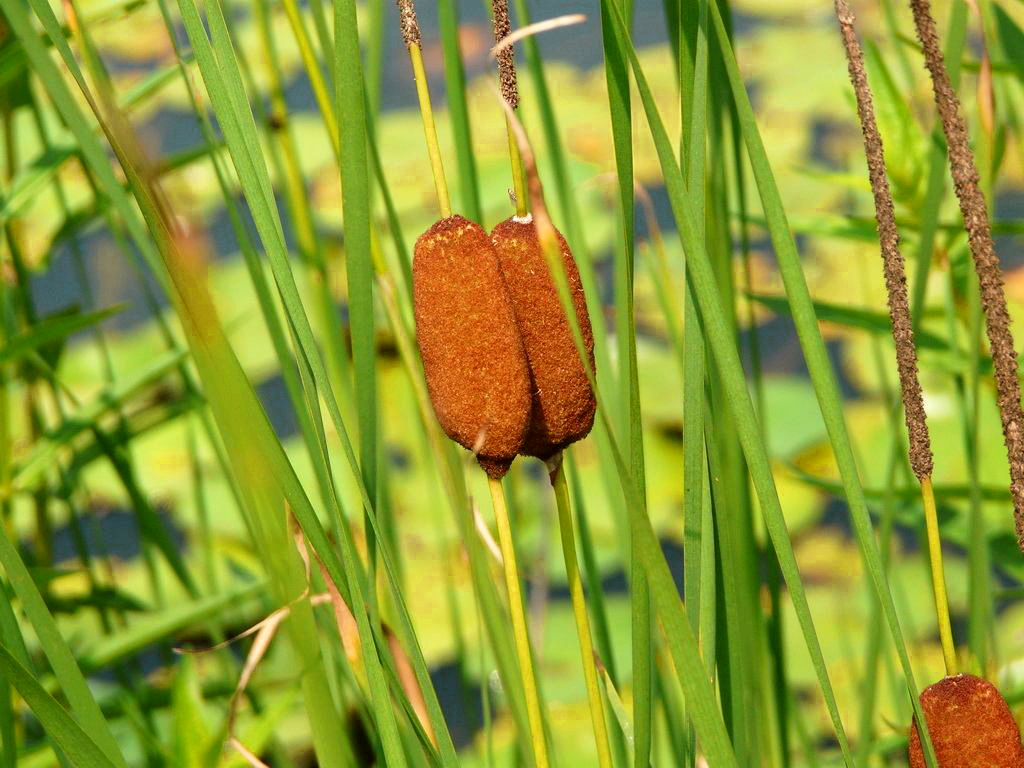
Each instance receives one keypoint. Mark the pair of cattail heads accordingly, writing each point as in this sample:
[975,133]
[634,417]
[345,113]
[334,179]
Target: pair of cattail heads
[502,369]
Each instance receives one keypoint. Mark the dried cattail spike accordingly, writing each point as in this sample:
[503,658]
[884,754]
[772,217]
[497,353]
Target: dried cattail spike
[970,726]
[472,352]
[409,23]
[563,400]
[892,258]
[986,263]
[507,55]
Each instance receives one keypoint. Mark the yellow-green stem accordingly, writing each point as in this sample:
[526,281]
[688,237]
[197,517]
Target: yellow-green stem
[519,630]
[317,82]
[518,177]
[579,609]
[430,131]
[931,520]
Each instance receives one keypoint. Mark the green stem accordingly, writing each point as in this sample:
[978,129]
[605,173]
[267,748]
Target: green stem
[579,609]
[518,180]
[430,131]
[938,578]
[522,638]
[317,81]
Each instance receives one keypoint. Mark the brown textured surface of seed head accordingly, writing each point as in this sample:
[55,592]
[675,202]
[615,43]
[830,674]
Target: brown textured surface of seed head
[970,725]
[472,352]
[563,400]
[966,182]
[409,23]
[506,56]
[892,257]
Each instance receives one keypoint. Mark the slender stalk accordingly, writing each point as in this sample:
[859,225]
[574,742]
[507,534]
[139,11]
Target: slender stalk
[522,198]
[317,82]
[411,35]
[579,609]
[938,579]
[902,325]
[458,109]
[510,93]
[518,614]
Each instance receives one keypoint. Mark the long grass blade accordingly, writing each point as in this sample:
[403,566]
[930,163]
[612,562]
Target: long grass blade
[62,661]
[60,726]
[717,331]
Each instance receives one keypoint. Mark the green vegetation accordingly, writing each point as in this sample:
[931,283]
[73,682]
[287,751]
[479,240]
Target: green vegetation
[233,531]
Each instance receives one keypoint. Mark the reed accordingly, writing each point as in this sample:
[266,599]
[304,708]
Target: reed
[564,402]
[474,362]
[509,85]
[920,449]
[986,263]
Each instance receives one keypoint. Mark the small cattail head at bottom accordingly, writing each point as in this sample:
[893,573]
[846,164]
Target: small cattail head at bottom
[473,357]
[970,726]
[563,400]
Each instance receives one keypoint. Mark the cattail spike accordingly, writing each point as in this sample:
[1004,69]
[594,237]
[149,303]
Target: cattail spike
[986,262]
[969,724]
[409,23]
[564,404]
[892,258]
[506,55]
[473,356]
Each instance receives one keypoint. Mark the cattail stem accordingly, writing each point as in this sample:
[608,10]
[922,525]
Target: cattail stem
[411,35]
[519,629]
[986,263]
[579,608]
[931,520]
[518,177]
[509,84]
[317,81]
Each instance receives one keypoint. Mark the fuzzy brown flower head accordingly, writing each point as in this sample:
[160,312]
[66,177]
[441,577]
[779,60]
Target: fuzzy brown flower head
[970,724]
[473,356]
[563,400]
[507,55]
[409,23]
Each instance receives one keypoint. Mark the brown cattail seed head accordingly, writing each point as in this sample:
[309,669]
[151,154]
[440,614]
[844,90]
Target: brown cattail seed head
[970,725]
[473,356]
[409,23]
[986,263]
[892,257]
[563,400]
[507,55]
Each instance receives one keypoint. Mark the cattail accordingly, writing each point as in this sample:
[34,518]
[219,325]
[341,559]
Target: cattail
[970,726]
[472,352]
[506,56]
[986,263]
[920,453]
[892,258]
[563,400]
[409,24]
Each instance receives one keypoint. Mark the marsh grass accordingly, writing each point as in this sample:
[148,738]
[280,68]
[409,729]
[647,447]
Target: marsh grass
[747,668]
